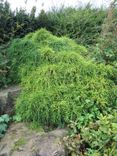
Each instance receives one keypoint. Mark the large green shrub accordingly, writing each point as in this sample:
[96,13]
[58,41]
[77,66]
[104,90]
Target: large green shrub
[66,87]
[26,52]
[60,84]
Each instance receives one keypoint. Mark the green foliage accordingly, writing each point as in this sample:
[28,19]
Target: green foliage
[34,126]
[102,135]
[15,23]
[2,71]
[21,52]
[81,24]
[16,118]
[43,21]
[4,119]
[3,66]
[67,88]
[27,51]
[106,48]
[6,18]
[64,83]
[96,139]
[44,38]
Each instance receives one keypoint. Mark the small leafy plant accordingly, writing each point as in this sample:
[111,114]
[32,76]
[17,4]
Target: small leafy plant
[98,138]
[4,120]
[16,118]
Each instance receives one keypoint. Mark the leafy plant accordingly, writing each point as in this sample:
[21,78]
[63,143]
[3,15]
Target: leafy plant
[96,139]
[102,135]
[4,119]
[16,118]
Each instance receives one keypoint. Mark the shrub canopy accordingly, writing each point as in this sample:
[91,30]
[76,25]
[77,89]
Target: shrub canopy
[26,52]
[65,85]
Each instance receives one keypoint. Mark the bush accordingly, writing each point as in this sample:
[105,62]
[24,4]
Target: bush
[105,51]
[66,88]
[60,84]
[81,24]
[26,52]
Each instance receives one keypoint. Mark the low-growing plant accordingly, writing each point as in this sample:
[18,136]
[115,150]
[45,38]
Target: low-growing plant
[73,88]
[96,139]
[16,118]
[101,136]
[4,119]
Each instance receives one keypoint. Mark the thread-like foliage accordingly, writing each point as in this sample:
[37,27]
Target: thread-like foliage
[27,51]
[44,38]
[65,87]
[21,52]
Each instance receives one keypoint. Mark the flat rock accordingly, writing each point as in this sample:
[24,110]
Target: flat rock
[21,141]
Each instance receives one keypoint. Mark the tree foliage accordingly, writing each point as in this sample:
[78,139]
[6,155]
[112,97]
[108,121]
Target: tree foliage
[81,24]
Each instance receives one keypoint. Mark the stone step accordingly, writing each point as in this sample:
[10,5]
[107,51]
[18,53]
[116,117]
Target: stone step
[22,141]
